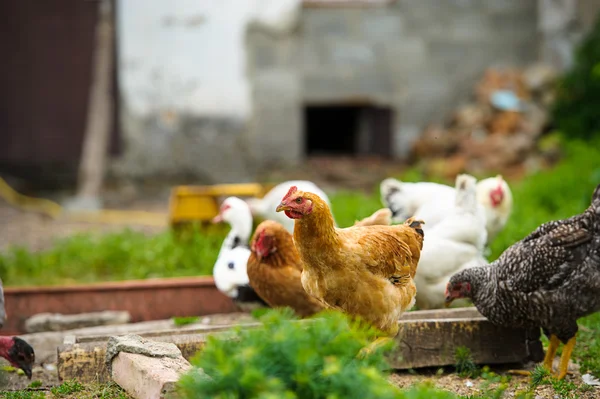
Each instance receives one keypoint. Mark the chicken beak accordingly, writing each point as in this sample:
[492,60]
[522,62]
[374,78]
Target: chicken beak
[282,207]
[26,369]
[217,219]
[448,303]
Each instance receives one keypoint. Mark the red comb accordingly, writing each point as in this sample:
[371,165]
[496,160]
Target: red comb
[292,190]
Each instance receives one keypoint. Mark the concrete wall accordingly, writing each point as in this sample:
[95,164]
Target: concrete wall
[212,116]
[419,57]
[183,84]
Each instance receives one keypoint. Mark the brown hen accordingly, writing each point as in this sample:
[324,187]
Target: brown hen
[364,271]
[274,270]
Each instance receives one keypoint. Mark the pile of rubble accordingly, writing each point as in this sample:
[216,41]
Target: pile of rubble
[499,131]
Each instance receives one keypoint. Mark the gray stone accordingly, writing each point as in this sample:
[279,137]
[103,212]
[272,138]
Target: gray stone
[349,53]
[59,322]
[320,23]
[382,27]
[135,344]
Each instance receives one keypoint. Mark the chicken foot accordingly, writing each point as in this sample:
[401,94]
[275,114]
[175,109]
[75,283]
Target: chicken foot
[367,350]
[549,358]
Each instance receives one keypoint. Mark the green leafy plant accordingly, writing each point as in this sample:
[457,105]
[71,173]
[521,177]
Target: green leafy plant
[67,388]
[182,321]
[465,366]
[22,395]
[577,108]
[35,384]
[289,359]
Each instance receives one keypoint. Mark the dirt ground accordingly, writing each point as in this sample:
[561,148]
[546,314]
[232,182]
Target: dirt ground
[447,381]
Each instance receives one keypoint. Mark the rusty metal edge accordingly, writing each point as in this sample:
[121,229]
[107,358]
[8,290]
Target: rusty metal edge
[171,282]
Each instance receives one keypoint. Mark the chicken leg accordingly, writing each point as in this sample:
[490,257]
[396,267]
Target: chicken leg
[367,350]
[550,353]
[565,357]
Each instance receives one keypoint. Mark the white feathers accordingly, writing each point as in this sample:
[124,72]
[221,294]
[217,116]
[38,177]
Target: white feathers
[431,202]
[496,214]
[455,243]
[404,199]
[265,207]
[237,213]
[230,272]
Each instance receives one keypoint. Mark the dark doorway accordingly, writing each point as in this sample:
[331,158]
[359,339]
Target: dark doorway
[348,130]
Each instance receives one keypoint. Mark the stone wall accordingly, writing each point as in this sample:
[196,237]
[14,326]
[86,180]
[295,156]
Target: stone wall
[418,57]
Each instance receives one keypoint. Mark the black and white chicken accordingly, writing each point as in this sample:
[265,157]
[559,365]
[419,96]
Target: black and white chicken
[549,279]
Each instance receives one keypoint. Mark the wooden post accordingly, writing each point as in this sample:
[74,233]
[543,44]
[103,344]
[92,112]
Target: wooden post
[99,118]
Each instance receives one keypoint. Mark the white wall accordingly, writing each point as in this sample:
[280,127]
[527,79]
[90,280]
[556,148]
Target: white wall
[189,55]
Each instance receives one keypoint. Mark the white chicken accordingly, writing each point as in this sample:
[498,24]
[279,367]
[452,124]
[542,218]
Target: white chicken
[265,207]
[404,199]
[432,201]
[455,243]
[237,214]
[495,196]
[231,278]
[229,271]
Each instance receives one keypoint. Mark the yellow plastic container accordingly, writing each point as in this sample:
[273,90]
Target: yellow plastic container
[200,203]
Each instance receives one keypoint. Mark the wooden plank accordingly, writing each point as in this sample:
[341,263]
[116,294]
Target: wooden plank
[426,339]
[429,343]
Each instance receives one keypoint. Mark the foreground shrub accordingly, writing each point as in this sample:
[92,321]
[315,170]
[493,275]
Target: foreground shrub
[287,359]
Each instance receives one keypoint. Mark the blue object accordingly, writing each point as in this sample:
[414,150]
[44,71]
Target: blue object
[506,100]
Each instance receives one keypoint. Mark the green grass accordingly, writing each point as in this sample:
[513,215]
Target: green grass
[552,194]
[71,390]
[85,258]
[22,395]
[182,321]
[67,388]
[548,195]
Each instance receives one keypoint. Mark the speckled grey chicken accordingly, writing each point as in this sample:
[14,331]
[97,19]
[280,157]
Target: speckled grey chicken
[549,279]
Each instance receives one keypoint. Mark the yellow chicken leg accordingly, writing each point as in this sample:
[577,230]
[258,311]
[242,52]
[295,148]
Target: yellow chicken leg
[367,350]
[564,359]
[551,352]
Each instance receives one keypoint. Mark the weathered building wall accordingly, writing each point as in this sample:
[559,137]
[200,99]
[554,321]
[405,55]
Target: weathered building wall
[184,88]
[189,109]
[418,57]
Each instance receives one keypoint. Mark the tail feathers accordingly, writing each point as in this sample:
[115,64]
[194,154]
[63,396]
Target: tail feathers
[416,224]
[387,188]
[466,195]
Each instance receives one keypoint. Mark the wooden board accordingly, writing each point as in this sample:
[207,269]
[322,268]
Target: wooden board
[426,339]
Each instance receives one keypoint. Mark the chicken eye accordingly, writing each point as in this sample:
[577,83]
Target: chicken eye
[230,265]
[298,200]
